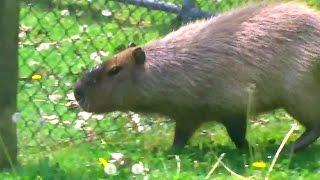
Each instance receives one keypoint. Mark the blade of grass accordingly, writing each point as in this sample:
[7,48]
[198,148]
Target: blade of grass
[250,111]
[5,150]
[214,167]
[275,158]
[234,173]
[178,164]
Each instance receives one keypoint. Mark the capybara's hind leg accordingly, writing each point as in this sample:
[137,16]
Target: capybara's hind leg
[303,105]
[308,137]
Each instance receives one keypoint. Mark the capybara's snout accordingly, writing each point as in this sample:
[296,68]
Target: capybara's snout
[79,91]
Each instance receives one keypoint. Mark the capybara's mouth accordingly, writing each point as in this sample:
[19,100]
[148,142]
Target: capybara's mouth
[84,102]
[79,95]
[79,92]
[85,105]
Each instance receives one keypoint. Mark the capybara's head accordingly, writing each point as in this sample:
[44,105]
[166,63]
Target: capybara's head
[110,86]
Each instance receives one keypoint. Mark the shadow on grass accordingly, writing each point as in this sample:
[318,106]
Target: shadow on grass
[47,169]
[306,159]
[234,158]
[237,160]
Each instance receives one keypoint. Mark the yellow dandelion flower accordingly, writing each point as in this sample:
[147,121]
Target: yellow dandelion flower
[36,77]
[103,162]
[259,165]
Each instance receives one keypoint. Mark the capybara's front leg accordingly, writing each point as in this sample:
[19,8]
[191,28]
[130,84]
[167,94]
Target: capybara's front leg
[236,127]
[183,132]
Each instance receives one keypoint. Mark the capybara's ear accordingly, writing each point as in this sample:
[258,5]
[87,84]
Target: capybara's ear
[139,55]
[131,44]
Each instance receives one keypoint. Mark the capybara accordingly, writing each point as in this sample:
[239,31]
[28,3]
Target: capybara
[202,72]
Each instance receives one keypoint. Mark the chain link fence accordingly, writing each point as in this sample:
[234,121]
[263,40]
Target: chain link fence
[59,39]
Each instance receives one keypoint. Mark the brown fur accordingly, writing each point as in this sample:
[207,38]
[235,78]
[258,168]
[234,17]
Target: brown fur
[202,72]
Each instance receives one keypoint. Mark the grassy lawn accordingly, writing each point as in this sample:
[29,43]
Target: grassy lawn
[57,141]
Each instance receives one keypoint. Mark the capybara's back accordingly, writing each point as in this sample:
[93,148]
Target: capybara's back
[204,71]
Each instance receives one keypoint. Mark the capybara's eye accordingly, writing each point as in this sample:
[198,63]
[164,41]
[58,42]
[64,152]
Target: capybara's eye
[115,70]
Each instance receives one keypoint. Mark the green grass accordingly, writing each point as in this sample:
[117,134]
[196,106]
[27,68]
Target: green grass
[80,161]
[55,149]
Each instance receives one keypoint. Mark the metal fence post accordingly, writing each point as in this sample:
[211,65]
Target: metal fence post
[9,27]
[187,12]
[190,11]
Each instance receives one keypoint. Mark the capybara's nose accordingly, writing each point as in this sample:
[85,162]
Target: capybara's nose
[78,93]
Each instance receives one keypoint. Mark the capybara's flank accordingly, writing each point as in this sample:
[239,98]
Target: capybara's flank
[202,72]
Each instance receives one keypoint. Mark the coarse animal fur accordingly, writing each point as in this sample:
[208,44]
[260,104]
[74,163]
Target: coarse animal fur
[202,72]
